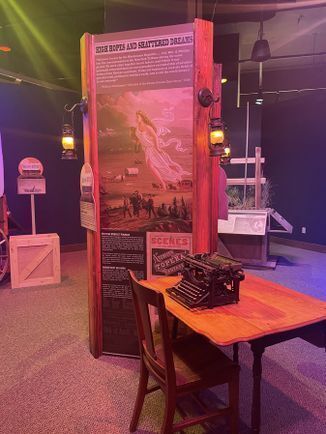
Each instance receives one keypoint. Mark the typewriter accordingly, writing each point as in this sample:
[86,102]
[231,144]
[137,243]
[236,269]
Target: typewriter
[208,280]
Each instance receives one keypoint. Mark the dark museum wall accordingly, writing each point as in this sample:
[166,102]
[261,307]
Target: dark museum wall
[30,125]
[292,130]
[123,16]
[236,120]
[292,135]
[293,138]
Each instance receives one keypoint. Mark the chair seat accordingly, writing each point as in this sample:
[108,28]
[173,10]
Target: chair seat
[180,367]
[198,361]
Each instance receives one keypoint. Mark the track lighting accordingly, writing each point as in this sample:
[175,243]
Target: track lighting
[260,97]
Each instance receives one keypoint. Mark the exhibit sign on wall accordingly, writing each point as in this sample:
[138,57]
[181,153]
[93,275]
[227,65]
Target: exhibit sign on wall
[144,86]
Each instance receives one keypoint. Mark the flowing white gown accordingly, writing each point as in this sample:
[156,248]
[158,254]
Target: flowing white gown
[169,170]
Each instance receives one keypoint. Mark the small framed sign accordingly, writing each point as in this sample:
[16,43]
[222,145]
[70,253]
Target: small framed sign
[30,167]
[31,185]
[87,201]
[30,181]
[165,253]
[86,180]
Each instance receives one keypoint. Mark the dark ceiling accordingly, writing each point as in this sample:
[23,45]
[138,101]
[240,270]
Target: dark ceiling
[44,34]
[44,37]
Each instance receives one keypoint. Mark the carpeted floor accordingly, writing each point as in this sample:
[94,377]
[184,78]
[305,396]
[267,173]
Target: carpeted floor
[51,384]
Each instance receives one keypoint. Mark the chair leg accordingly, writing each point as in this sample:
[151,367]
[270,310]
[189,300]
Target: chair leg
[170,404]
[142,388]
[234,404]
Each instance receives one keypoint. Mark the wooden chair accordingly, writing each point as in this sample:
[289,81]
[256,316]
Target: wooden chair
[179,367]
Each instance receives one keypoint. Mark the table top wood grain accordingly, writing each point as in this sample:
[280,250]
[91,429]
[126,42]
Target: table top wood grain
[264,308]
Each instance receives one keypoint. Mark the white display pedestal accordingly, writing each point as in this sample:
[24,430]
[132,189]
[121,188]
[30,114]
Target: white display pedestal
[245,235]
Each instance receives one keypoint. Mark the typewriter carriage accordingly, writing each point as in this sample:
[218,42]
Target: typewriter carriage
[208,281]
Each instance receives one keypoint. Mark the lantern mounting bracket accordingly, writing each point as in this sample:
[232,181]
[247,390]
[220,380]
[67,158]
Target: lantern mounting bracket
[83,106]
[206,97]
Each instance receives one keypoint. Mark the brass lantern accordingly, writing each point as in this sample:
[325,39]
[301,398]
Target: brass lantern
[68,139]
[68,143]
[218,137]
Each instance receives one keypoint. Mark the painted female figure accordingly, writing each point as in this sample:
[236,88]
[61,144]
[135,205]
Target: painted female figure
[159,162]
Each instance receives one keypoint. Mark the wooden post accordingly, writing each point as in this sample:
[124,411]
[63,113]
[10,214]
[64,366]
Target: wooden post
[257,178]
[194,9]
[33,214]
[91,157]
[203,211]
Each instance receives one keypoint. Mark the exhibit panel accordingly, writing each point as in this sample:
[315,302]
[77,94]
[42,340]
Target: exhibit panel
[144,119]
[146,141]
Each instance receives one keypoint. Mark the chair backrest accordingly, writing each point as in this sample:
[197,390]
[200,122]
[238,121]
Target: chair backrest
[158,358]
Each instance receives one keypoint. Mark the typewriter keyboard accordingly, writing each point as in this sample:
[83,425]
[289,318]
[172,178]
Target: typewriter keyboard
[187,294]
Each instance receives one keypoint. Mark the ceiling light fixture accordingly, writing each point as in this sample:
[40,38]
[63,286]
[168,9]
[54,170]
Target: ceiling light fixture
[261,51]
[259,97]
[5,48]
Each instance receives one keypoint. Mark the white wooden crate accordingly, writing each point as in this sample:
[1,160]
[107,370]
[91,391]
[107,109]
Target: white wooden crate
[34,260]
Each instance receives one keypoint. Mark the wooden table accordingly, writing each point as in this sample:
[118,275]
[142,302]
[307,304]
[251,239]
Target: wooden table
[267,314]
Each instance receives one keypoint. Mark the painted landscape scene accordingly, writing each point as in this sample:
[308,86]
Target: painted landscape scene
[145,160]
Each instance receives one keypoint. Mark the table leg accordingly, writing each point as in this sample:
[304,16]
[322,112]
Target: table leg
[236,352]
[175,326]
[258,351]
